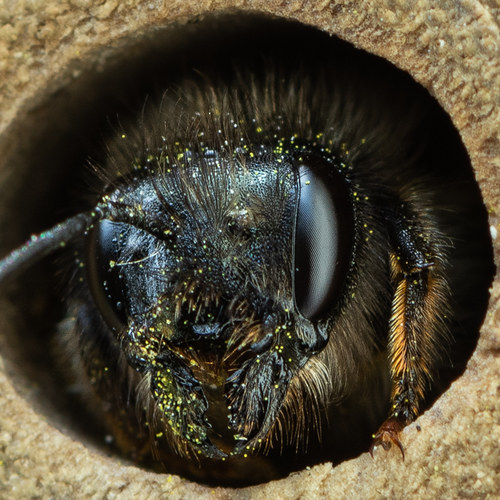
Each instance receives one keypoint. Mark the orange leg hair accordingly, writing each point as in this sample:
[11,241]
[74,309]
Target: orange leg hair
[417,325]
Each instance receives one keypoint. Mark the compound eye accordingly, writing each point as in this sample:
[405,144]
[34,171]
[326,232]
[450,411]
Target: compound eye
[323,239]
[126,271]
[123,263]
[106,279]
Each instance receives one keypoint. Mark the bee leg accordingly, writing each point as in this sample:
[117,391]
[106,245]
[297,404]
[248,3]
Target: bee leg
[417,324]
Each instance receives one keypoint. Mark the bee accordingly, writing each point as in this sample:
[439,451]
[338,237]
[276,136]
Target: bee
[261,248]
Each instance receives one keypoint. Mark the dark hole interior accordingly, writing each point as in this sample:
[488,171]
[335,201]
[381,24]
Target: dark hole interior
[48,179]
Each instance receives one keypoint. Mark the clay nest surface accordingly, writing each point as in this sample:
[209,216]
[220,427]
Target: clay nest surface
[451,49]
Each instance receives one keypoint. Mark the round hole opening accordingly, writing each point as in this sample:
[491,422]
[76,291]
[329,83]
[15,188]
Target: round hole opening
[48,179]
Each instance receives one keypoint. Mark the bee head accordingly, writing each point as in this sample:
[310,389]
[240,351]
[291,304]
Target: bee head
[215,278]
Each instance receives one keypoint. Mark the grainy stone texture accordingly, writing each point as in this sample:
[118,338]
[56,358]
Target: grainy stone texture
[453,48]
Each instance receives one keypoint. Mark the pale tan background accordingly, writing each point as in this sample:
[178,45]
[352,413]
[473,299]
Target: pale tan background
[453,49]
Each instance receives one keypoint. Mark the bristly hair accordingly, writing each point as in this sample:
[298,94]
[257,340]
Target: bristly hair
[211,114]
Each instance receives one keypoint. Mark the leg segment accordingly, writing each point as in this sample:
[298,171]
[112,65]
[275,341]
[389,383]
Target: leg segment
[418,320]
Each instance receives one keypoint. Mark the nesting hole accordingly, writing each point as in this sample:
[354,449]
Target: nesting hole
[47,179]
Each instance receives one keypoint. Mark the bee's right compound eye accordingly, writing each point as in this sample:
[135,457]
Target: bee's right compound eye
[104,272]
[323,238]
[120,259]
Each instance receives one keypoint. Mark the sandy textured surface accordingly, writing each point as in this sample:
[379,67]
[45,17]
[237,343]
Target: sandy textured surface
[453,49]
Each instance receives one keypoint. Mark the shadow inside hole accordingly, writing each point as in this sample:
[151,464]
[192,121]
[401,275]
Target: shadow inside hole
[49,180]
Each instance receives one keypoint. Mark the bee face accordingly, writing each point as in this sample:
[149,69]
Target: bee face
[217,271]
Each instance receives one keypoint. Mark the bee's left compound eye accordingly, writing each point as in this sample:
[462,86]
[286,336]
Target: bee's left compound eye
[323,238]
